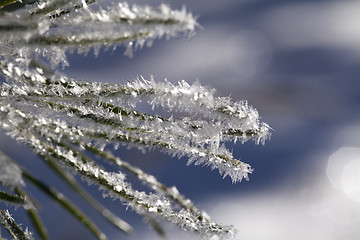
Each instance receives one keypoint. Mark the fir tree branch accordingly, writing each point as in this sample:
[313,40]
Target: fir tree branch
[172,193]
[11,198]
[68,10]
[241,119]
[59,198]
[68,178]
[4,3]
[58,7]
[38,224]
[199,149]
[156,226]
[34,217]
[114,183]
[62,119]
[220,158]
[65,203]
[12,227]
[137,200]
[81,41]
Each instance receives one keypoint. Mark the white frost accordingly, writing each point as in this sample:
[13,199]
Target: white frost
[10,173]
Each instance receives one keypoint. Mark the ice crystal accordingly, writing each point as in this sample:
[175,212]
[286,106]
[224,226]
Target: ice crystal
[50,28]
[10,173]
[95,118]
[14,229]
[114,184]
[66,121]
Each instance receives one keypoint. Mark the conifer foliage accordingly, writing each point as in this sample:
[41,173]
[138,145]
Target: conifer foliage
[68,123]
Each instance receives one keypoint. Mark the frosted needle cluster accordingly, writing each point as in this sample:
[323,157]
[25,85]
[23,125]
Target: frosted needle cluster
[71,124]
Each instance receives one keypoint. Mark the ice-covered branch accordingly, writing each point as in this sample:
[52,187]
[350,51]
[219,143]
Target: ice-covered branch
[49,7]
[64,202]
[238,119]
[104,112]
[4,3]
[58,197]
[12,227]
[172,193]
[11,198]
[50,28]
[30,130]
[66,121]
[107,214]
[34,217]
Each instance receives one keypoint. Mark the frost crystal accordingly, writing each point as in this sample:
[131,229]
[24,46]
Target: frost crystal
[90,112]
[49,28]
[14,229]
[10,174]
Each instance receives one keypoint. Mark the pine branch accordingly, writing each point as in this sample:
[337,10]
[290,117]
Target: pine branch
[12,227]
[171,193]
[107,214]
[64,120]
[4,3]
[13,199]
[51,7]
[86,28]
[66,204]
[53,194]
[114,183]
[199,140]
[34,216]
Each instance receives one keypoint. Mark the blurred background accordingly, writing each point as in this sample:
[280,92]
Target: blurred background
[298,64]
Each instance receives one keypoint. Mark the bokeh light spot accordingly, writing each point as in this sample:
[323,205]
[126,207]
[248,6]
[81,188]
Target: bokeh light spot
[344,171]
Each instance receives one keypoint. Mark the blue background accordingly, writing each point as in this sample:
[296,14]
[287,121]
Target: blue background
[298,64]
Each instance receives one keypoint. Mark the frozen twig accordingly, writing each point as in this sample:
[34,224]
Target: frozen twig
[66,121]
